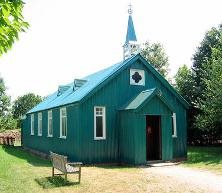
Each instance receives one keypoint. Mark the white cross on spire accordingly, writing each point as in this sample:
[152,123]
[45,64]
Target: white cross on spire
[130,11]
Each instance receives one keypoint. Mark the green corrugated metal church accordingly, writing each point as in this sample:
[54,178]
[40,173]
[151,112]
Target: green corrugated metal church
[127,113]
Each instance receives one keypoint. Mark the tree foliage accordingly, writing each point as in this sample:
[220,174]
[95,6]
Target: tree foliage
[24,103]
[185,86]
[6,120]
[202,61]
[4,99]
[184,83]
[11,23]
[210,118]
[156,55]
[204,89]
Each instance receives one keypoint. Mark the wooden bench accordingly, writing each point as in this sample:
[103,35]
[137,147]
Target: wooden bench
[60,163]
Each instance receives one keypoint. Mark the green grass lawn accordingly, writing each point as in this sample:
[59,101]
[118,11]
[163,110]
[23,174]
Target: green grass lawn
[19,169]
[207,158]
[21,172]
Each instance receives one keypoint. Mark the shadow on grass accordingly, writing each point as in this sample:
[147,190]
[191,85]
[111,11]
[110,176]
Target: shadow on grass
[205,155]
[21,154]
[53,182]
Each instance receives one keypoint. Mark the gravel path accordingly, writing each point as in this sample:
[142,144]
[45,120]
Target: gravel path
[176,178]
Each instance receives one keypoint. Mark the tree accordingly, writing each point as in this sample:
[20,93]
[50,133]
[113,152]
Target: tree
[155,55]
[24,103]
[184,83]
[6,120]
[185,86]
[210,118]
[202,62]
[4,99]
[11,23]
[201,125]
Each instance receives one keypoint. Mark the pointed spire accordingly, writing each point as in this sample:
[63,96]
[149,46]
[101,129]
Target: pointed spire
[130,47]
[130,35]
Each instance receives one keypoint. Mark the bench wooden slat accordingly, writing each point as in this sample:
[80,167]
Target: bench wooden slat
[71,169]
[58,161]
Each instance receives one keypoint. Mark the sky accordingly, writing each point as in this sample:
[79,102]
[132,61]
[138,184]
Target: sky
[70,39]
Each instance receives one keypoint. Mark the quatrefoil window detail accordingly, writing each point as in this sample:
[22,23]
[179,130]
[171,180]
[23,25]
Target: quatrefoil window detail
[136,77]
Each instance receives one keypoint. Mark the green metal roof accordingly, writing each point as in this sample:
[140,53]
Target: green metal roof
[68,94]
[144,97]
[139,99]
[90,84]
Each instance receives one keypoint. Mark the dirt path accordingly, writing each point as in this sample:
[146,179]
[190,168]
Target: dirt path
[177,179]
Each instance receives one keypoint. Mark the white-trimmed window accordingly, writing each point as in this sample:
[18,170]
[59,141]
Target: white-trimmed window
[99,123]
[137,77]
[32,124]
[63,123]
[39,124]
[50,126]
[174,125]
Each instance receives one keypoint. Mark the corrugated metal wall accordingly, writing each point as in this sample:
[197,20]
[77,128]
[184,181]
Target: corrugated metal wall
[113,96]
[179,143]
[80,143]
[132,138]
[133,132]
[44,143]
[157,107]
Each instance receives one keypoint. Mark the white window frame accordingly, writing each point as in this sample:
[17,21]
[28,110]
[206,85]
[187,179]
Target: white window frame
[39,124]
[32,124]
[174,125]
[104,122]
[50,119]
[61,118]
[142,73]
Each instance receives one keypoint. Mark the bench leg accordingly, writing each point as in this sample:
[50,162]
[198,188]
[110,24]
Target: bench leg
[52,171]
[79,174]
[65,177]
